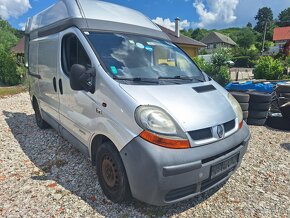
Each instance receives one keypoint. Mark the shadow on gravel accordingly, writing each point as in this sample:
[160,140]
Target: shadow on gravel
[60,162]
[286,146]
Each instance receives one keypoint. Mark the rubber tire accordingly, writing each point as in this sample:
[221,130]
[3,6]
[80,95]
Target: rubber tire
[260,97]
[285,110]
[283,100]
[283,88]
[256,122]
[245,115]
[259,106]
[244,106]
[123,192]
[258,114]
[285,95]
[41,123]
[280,123]
[241,97]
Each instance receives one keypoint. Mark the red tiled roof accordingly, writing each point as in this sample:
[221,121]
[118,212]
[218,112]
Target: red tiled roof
[281,33]
[19,48]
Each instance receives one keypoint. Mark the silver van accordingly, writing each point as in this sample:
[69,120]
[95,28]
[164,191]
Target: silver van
[112,83]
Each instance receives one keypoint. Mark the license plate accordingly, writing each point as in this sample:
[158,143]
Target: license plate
[224,166]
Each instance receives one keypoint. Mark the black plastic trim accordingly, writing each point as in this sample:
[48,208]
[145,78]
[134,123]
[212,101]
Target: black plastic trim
[34,75]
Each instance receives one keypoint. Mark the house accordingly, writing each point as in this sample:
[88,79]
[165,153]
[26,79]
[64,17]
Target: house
[217,40]
[18,50]
[281,37]
[189,45]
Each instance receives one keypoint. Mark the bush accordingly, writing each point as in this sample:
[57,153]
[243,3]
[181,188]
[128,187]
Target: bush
[219,73]
[220,57]
[10,74]
[268,68]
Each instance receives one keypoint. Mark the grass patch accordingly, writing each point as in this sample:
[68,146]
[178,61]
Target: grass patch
[11,90]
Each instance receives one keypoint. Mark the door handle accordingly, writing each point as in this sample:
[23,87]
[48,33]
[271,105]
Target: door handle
[60,86]
[54,84]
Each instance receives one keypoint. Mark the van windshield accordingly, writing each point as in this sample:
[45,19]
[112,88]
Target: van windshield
[140,59]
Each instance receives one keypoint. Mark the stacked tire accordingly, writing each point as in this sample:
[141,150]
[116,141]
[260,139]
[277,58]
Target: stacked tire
[259,105]
[243,99]
[283,94]
[281,120]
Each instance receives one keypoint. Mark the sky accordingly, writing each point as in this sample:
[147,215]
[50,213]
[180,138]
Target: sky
[209,14]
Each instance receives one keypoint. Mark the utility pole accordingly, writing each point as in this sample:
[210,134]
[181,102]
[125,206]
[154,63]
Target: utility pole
[264,38]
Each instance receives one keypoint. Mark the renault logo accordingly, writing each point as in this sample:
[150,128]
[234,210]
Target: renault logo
[220,131]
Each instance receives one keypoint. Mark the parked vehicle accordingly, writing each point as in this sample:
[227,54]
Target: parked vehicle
[160,133]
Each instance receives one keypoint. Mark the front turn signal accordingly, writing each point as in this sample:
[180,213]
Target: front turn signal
[164,142]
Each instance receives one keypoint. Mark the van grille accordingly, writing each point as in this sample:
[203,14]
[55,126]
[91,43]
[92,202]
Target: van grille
[201,134]
[206,133]
[229,125]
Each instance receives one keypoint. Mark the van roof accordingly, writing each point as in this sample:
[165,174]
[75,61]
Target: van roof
[91,15]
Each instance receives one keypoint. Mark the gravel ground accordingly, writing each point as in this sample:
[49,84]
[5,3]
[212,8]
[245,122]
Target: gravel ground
[41,175]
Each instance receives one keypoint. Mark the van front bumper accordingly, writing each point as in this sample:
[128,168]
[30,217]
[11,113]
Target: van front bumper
[160,176]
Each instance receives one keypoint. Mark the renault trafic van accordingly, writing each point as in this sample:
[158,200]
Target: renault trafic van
[158,132]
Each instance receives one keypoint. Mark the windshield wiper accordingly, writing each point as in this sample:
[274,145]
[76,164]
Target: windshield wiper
[137,79]
[180,78]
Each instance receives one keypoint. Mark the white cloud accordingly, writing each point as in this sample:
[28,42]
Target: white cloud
[217,11]
[171,24]
[13,8]
[22,26]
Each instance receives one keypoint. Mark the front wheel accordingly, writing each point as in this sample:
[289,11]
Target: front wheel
[112,174]
[42,124]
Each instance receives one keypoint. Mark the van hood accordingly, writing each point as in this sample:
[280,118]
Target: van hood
[192,109]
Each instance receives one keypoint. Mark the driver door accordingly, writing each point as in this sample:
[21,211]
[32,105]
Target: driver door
[75,106]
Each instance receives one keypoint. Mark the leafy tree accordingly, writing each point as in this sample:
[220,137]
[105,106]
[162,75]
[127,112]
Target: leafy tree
[199,34]
[268,68]
[187,33]
[249,25]
[8,70]
[7,36]
[246,38]
[284,18]
[264,15]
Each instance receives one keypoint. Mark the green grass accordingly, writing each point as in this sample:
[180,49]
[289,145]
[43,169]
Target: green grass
[12,90]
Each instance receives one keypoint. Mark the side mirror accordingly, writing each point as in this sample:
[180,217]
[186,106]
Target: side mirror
[82,79]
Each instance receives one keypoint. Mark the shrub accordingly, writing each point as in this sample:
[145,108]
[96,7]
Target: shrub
[220,57]
[268,68]
[10,74]
[219,73]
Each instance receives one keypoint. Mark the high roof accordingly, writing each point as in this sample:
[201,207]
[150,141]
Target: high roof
[182,39]
[215,37]
[281,33]
[95,10]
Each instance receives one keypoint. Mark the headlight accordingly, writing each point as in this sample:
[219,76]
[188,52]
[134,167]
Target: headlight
[237,108]
[159,127]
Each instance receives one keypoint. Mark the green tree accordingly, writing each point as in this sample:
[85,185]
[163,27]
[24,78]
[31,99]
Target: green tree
[8,69]
[264,15]
[284,18]
[7,36]
[199,34]
[249,25]
[268,68]
[246,38]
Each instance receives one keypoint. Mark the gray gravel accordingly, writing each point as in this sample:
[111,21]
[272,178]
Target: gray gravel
[41,175]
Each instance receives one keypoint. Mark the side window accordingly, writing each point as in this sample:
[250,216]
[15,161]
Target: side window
[72,52]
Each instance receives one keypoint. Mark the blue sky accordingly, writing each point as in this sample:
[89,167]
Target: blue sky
[193,13]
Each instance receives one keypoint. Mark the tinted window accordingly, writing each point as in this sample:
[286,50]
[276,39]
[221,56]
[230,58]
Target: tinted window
[73,53]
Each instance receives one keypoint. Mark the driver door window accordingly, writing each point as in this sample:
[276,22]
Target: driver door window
[73,53]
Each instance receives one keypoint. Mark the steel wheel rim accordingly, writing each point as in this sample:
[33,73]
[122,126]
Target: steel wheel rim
[109,172]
